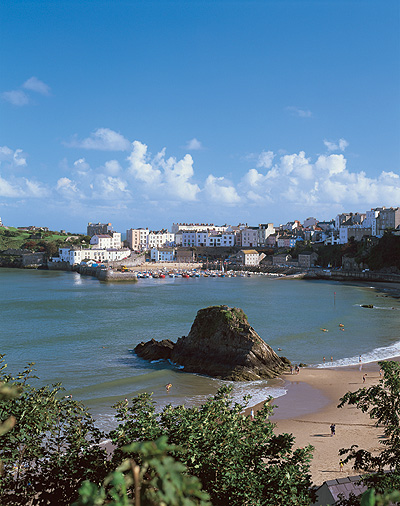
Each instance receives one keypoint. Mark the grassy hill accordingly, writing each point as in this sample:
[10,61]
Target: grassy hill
[49,241]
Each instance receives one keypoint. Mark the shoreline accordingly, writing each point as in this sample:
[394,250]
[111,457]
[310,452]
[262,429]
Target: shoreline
[310,406]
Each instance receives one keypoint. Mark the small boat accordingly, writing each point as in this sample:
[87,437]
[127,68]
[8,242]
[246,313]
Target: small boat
[185,275]
[171,275]
[162,276]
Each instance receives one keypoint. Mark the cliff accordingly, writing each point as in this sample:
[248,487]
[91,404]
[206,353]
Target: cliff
[222,344]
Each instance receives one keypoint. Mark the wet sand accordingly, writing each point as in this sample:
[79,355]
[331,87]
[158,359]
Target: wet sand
[310,407]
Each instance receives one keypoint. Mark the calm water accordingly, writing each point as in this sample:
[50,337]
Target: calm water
[82,332]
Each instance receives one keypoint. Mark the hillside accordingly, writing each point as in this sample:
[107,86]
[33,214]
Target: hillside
[45,241]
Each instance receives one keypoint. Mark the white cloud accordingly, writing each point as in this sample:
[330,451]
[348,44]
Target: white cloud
[112,167]
[297,111]
[81,167]
[34,84]
[67,187]
[102,139]
[177,175]
[265,159]
[140,168]
[193,145]
[35,189]
[113,187]
[8,190]
[16,97]
[219,192]
[334,164]
[297,165]
[341,145]
[12,158]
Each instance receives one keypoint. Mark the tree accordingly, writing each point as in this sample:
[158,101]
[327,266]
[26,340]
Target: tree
[160,480]
[382,403]
[238,461]
[52,447]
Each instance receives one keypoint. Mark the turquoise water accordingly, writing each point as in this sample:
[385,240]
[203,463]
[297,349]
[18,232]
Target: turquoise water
[82,332]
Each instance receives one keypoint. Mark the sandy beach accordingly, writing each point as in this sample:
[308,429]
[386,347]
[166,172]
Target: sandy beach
[310,407]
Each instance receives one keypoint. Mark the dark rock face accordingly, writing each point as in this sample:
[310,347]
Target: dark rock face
[155,350]
[222,344]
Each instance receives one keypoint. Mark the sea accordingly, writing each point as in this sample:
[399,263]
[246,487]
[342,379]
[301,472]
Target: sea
[82,332]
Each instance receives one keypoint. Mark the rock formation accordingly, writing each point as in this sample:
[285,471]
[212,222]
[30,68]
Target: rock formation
[222,344]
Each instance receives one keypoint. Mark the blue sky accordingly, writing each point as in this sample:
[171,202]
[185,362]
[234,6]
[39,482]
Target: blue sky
[143,113]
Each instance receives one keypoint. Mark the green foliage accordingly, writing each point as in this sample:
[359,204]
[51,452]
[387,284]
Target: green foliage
[371,498]
[52,454]
[160,480]
[386,253]
[382,403]
[239,461]
[52,447]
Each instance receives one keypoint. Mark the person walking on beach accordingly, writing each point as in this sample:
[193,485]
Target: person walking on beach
[252,414]
[333,429]
[364,377]
[341,464]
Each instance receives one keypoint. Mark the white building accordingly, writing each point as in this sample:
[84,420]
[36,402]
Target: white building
[163,255]
[74,256]
[249,256]
[106,241]
[158,239]
[197,227]
[209,239]
[264,231]
[249,237]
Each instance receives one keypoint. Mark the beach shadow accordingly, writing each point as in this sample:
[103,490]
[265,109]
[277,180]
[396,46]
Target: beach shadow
[320,435]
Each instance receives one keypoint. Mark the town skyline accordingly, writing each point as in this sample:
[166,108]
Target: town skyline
[148,113]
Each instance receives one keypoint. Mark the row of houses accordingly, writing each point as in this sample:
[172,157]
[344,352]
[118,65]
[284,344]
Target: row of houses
[107,245]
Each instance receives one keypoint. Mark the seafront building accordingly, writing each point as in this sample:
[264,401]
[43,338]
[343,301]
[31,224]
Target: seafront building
[77,255]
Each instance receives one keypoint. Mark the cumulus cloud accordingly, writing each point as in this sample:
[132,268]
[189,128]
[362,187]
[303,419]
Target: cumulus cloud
[297,165]
[265,159]
[68,188]
[219,190]
[15,97]
[169,175]
[297,111]
[13,158]
[112,167]
[193,145]
[34,84]
[334,164]
[341,145]
[102,139]
[140,167]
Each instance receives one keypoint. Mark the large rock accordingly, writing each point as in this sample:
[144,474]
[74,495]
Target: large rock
[222,344]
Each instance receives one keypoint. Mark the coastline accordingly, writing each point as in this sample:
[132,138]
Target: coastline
[310,406]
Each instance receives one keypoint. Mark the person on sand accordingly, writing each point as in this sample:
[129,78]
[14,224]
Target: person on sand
[333,429]
[341,464]
[252,414]
[364,377]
